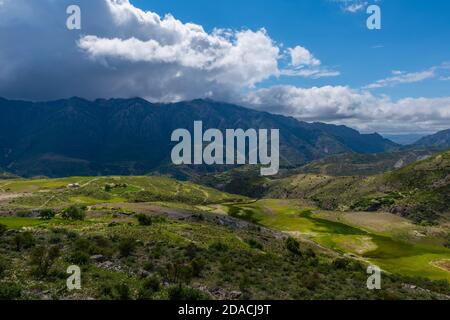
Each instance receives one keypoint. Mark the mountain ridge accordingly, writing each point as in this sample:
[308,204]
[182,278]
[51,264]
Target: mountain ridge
[440,139]
[120,136]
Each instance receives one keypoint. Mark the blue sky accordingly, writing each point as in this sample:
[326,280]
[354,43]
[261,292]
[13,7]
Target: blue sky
[314,60]
[415,36]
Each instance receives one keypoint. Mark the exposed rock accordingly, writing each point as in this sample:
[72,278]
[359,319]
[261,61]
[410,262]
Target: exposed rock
[109,265]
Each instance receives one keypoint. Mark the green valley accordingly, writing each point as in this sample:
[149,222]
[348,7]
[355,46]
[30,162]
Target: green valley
[158,238]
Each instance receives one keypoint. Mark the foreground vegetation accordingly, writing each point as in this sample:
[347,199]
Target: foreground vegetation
[157,238]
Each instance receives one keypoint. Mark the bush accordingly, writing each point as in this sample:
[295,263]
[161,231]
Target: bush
[127,246]
[79,258]
[23,214]
[123,291]
[144,220]
[219,247]
[24,240]
[255,244]
[3,267]
[152,284]
[293,246]
[74,213]
[3,229]
[47,214]
[184,293]
[10,291]
[197,266]
[43,258]
[447,241]
[179,272]
[341,263]
[111,291]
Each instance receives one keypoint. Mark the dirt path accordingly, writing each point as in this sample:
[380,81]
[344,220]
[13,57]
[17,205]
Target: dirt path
[89,182]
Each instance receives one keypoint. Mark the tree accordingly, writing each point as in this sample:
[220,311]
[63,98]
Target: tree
[74,213]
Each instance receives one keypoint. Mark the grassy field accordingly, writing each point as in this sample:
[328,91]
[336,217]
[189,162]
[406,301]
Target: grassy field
[393,243]
[41,193]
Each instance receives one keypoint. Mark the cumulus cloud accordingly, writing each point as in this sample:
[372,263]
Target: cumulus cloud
[125,51]
[304,64]
[356,108]
[302,57]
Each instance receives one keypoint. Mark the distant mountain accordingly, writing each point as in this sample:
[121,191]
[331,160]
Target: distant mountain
[438,140]
[132,136]
[404,139]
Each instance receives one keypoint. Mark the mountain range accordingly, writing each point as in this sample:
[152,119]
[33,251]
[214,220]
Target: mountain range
[439,140]
[132,136]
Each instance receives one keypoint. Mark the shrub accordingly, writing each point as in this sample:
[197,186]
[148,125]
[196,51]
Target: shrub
[10,291]
[152,284]
[74,213]
[47,214]
[144,220]
[341,263]
[112,291]
[179,272]
[79,257]
[43,258]
[310,253]
[191,250]
[293,246]
[197,266]
[23,214]
[3,229]
[3,267]
[255,244]
[123,291]
[184,293]
[24,240]
[127,247]
[447,241]
[219,247]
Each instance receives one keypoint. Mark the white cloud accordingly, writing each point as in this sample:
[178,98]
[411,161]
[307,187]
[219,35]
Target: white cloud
[400,77]
[357,108]
[302,57]
[352,6]
[304,64]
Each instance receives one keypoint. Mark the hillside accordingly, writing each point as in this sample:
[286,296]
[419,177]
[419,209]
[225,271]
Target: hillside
[152,238]
[419,191]
[364,164]
[438,140]
[132,136]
